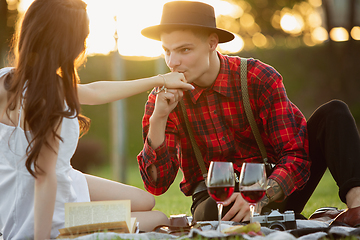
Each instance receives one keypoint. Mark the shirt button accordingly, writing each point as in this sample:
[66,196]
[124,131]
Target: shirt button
[223,138]
[215,112]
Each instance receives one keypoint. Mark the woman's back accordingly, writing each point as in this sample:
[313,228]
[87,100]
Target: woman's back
[17,184]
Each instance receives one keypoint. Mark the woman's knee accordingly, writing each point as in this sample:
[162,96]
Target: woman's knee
[145,202]
[151,203]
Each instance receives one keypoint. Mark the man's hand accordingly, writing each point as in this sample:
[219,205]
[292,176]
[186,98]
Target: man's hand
[165,102]
[240,211]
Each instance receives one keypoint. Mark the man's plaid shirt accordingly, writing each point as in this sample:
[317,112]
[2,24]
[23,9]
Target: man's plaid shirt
[222,131]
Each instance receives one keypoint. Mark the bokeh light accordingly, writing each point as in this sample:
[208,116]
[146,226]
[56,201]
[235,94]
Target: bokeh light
[275,20]
[233,46]
[247,20]
[319,35]
[314,20]
[355,33]
[339,34]
[259,40]
[308,40]
[315,3]
[292,23]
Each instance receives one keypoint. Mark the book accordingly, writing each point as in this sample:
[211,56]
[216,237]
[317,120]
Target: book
[84,218]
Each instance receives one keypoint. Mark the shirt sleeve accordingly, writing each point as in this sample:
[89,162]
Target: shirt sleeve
[164,158]
[285,127]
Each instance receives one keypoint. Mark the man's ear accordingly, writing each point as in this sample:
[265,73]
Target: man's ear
[213,41]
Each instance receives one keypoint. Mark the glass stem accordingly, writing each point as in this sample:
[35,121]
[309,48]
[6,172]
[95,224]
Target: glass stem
[252,209]
[220,208]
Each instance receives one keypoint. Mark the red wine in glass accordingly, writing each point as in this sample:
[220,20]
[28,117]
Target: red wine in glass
[220,194]
[253,196]
[252,184]
[220,183]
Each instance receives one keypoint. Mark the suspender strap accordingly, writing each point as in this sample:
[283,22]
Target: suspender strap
[196,149]
[248,111]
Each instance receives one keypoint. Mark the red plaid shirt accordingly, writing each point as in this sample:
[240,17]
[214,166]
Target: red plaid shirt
[222,131]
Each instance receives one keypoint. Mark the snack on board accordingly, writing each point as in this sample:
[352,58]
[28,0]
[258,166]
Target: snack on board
[250,229]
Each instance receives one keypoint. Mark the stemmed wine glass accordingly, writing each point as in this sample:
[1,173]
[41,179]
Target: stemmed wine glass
[220,184]
[252,184]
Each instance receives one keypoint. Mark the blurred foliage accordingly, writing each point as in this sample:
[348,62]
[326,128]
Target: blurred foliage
[261,12]
[290,23]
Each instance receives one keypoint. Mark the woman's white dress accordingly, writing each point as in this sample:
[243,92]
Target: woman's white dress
[17,185]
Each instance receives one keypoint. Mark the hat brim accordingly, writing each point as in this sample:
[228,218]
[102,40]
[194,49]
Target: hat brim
[154,32]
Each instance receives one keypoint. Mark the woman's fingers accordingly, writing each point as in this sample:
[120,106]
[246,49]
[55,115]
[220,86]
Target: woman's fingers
[177,80]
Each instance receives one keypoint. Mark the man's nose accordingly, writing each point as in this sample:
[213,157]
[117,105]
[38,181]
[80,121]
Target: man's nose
[173,61]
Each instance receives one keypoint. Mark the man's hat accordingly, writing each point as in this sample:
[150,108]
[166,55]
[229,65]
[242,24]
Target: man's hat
[186,14]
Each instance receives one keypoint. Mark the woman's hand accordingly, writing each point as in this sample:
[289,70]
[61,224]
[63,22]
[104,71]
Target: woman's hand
[176,80]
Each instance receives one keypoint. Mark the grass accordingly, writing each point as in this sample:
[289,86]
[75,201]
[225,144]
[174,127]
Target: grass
[175,202]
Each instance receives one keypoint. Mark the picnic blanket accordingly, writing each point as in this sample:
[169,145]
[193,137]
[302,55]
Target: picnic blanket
[306,230]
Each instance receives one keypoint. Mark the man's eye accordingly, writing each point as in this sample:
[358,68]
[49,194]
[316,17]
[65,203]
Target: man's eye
[185,50]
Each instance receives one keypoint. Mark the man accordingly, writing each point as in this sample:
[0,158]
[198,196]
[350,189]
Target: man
[215,110]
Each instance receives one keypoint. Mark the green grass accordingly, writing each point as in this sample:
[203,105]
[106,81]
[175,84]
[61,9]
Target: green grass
[175,202]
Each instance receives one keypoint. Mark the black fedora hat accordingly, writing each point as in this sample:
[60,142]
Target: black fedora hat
[186,14]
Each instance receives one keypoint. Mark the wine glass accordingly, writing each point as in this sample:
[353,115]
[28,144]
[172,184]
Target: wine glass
[220,184]
[252,184]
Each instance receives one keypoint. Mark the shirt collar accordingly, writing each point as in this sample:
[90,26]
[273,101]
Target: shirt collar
[220,85]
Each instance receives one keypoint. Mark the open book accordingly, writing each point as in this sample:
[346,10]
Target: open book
[101,216]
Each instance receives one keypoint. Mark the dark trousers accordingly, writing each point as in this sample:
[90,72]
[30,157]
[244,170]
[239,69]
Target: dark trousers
[334,143]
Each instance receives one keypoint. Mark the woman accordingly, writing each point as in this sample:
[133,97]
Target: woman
[39,125]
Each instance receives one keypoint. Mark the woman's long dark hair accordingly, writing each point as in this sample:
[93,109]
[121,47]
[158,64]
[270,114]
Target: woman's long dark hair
[49,42]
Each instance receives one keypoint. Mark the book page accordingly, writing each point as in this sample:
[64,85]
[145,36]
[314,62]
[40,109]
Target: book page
[97,212]
[82,230]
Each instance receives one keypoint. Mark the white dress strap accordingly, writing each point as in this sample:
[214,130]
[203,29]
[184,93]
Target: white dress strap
[20,110]
[5,70]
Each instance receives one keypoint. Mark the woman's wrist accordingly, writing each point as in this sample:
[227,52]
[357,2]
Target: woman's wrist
[159,80]
[163,87]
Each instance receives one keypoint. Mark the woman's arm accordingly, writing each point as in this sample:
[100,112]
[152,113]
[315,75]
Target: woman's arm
[101,92]
[45,190]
